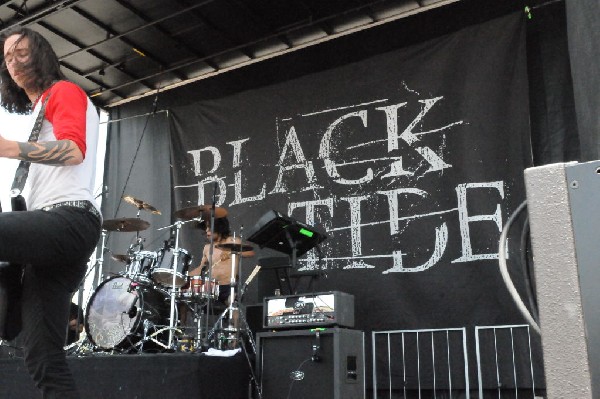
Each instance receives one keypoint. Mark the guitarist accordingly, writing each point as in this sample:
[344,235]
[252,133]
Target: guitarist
[54,238]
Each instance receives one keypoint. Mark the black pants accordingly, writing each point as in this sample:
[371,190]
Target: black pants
[55,245]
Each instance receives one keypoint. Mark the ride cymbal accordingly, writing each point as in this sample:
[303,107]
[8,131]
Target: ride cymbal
[200,210]
[141,204]
[125,224]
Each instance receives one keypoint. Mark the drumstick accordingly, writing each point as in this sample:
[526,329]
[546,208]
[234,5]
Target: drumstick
[251,276]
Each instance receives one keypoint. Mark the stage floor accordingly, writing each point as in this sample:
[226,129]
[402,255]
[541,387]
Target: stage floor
[136,376]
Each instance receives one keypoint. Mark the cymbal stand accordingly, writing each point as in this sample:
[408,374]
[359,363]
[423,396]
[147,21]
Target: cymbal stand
[233,303]
[173,282]
[100,259]
[234,306]
[205,340]
[199,315]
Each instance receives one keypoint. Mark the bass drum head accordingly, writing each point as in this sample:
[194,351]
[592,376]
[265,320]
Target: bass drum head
[117,310]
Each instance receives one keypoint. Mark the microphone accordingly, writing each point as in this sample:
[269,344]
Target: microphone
[133,310]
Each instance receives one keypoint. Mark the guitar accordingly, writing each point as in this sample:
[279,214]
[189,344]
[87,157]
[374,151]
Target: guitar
[11,289]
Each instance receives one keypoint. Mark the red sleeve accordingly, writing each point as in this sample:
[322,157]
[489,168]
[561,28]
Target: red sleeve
[66,110]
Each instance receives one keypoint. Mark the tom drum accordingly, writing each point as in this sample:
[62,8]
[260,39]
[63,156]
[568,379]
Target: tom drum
[165,267]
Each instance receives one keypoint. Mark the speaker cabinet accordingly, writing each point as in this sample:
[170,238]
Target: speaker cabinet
[562,200]
[325,363]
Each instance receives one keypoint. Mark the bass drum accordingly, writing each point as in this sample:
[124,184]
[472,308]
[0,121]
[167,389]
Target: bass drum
[121,311]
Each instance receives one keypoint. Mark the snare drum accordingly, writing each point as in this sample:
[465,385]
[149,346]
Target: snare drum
[163,271]
[198,289]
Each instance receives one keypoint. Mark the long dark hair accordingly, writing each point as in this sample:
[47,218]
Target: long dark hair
[221,226]
[42,69]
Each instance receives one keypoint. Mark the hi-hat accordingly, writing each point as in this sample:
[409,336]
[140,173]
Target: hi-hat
[125,224]
[235,246]
[199,211]
[141,204]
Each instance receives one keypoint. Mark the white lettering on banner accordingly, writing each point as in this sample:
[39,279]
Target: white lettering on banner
[464,219]
[310,207]
[325,150]
[196,157]
[292,142]
[362,211]
[237,166]
[221,193]
[392,197]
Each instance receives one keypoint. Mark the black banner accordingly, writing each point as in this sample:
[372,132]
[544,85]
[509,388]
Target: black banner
[411,161]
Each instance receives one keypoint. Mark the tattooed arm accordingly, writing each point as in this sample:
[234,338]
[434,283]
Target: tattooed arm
[59,153]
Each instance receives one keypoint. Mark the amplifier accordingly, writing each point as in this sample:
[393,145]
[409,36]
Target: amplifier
[332,308]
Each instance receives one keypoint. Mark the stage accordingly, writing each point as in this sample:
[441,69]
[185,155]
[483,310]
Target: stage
[165,375]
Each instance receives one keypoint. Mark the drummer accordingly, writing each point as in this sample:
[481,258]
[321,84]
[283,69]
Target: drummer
[221,264]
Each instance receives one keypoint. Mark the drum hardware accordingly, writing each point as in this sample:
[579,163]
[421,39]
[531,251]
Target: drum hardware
[230,337]
[125,225]
[200,213]
[152,337]
[197,307]
[139,204]
[100,260]
[174,280]
[232,333]
[214,213]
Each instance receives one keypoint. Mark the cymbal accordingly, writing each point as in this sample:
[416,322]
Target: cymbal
[200,210]
[125,224]
[120,258]
[141,204]
[235,246]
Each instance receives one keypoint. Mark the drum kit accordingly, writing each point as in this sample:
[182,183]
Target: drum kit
[137,309]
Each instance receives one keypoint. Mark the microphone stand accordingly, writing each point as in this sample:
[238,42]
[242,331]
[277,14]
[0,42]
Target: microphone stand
[204,340]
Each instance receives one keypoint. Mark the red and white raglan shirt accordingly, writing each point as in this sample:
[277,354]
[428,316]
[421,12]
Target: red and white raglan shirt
[69,115]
